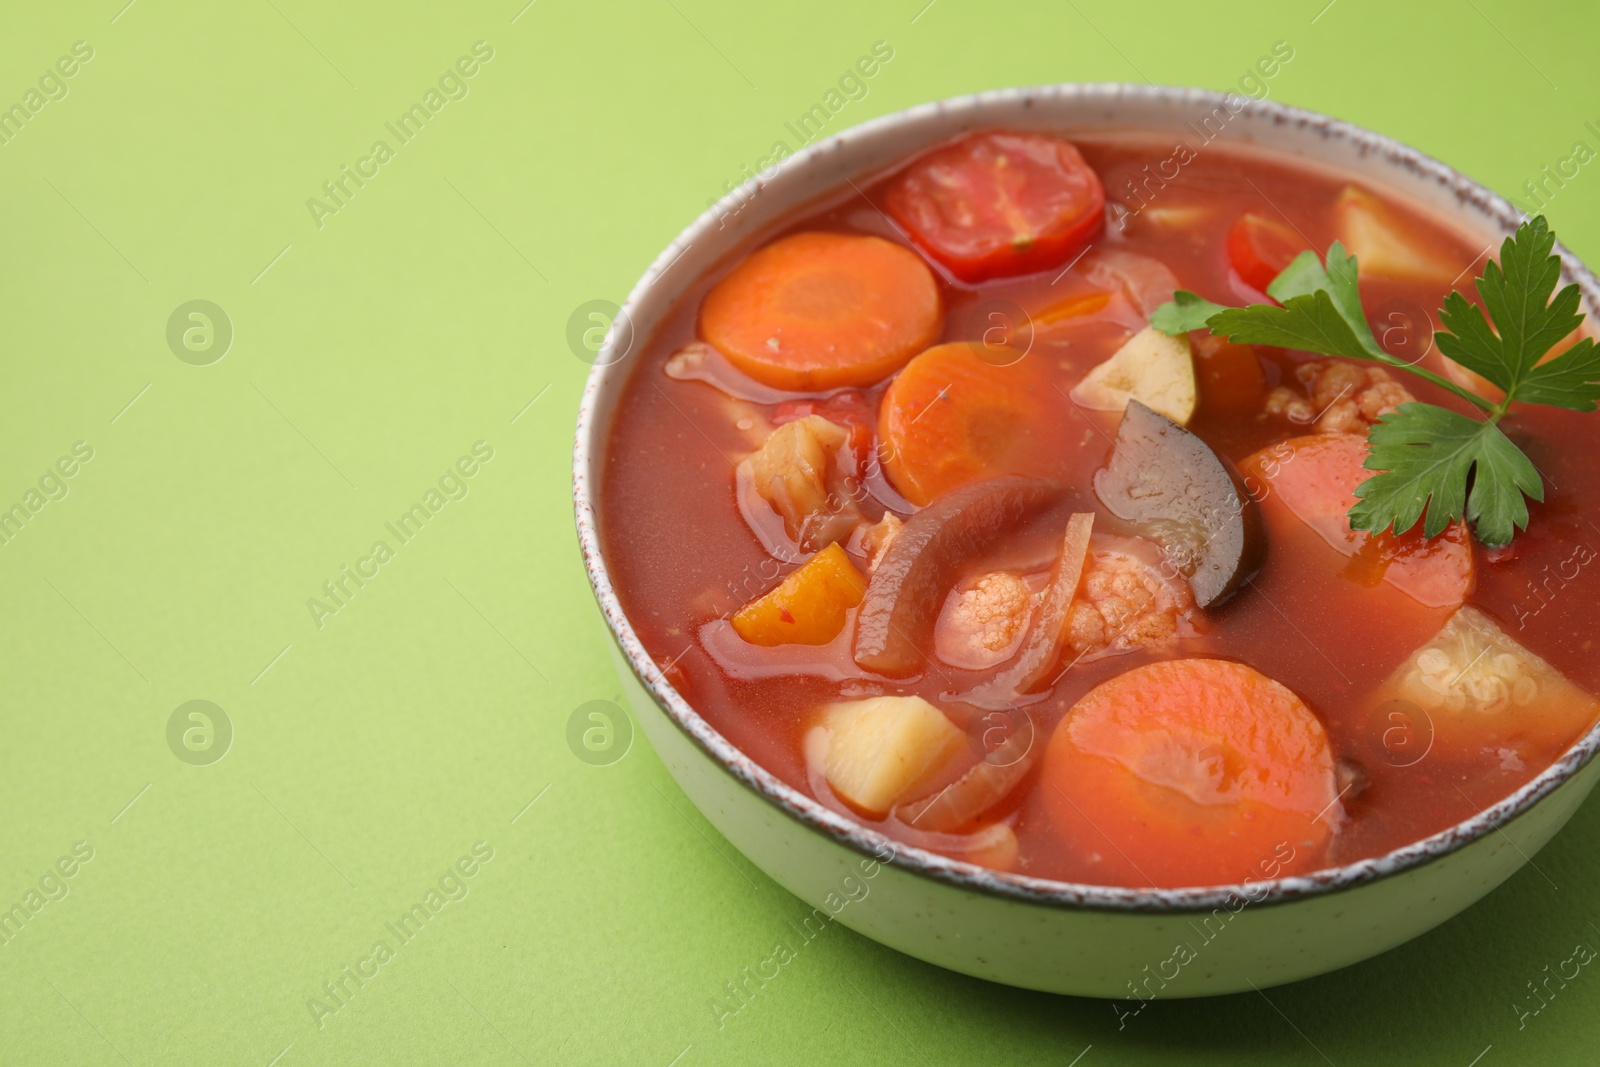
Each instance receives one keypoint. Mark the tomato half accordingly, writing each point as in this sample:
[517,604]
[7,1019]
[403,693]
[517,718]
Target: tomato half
[997,204]
[1260,248]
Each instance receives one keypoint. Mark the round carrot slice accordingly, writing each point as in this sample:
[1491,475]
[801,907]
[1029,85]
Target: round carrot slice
[952,418]
[819,311]
[1191,772]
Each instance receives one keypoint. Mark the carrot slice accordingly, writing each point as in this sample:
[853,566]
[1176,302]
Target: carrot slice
[1316,476]
[951,418]
[820,311]
[808,607]
[1072,307]
[1191,772]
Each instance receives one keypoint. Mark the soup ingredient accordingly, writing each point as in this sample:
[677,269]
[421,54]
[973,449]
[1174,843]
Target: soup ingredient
[808,607]
[999,203]
[1315,478]
[1073,307]
[1259,248]
[882,748]
[1479,689]
[1190,772]
[816,311]
[984,785]
[1228,376]
[1132,597]
[1381,244]
[1341,397]
[895,623]
[1040,657]
[800,471]
[982,622]
[950,419]
[1152,367]
[993,846]
[1145,281]
[1170,484]
[872,541]
[1435,465]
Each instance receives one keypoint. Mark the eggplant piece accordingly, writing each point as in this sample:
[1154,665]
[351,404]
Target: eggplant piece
[1177,491]
[894,628]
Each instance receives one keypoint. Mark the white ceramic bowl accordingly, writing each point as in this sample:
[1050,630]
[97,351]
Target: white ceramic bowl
[1056,936]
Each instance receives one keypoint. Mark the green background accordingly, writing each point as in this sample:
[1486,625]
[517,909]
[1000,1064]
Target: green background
[368,355]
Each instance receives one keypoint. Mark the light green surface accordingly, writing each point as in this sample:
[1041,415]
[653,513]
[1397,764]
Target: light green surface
[370,754]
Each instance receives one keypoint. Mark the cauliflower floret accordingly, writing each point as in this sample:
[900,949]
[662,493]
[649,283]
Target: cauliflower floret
[1125,603]
[983,622]
[796,471]
[1341,397]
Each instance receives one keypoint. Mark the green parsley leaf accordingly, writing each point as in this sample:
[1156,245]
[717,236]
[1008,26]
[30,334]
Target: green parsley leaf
[1431,461]
[1311,322]
[1570,380]
[1428,456]
[1184,312]
[1517,293]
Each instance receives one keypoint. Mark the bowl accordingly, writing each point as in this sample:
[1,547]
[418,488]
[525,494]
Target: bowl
[1061,937]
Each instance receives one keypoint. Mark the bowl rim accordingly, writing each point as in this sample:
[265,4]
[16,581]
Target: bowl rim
[590,444]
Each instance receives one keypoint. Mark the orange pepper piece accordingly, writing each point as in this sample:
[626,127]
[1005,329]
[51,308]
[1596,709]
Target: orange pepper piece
[808,607]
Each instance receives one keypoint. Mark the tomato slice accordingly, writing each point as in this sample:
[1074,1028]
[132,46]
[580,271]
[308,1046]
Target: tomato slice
[1260,248]
[1000,203]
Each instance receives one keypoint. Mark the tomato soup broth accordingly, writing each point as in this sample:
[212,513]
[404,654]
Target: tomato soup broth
[1327,633]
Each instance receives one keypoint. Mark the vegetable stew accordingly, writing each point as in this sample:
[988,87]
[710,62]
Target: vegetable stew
[971,502]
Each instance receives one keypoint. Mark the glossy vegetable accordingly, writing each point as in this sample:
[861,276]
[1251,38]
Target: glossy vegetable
[881,748]
[1259,248]
[808,607]
[1179,492]
[987,783]
[800,470]
[951,418]
[1190,772]
[1474,690]
[1151,367]
[998,203]
[1039,660]
[818,311]
[1380,242]
[894,628]
[1315,477]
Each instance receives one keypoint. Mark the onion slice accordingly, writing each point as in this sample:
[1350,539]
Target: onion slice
[986,784]
[1041,649]
[895,624]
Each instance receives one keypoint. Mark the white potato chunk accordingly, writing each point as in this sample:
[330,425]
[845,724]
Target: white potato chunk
[1150,367]
[1380,243]
[882,748]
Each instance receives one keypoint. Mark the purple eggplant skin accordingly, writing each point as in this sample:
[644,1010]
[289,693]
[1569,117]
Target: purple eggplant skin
[1174,489]
[894,628]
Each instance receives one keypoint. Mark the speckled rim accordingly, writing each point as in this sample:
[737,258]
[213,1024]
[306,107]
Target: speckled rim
[1041,891]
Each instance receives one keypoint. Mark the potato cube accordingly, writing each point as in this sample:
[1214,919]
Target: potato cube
[1150,367]
[881,749]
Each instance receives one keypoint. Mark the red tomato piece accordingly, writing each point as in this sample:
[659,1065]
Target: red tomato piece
[996,204]
[1260,248]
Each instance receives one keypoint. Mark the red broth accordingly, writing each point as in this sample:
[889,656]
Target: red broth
[683,557]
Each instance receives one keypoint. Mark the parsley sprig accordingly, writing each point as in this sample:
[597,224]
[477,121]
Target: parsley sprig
[1436,465]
